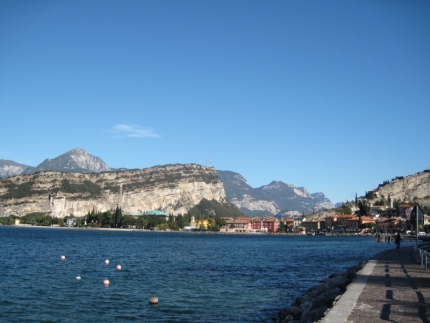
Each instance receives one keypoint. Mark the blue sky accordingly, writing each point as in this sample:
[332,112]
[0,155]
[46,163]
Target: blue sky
[330,95]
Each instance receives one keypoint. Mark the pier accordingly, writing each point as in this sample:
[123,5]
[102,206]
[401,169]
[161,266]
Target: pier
[391,287]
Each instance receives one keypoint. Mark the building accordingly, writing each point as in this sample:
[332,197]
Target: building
[297,221]
[316,225]
[341,220]
[200,224]
[354,224]
[156,213]
[366,219]
[289,224]
[271,224]
[256,224]
[239,225]
[376,209]
[390,224]
[71,221]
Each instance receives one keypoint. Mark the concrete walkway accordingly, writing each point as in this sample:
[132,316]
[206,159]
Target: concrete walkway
[391,287]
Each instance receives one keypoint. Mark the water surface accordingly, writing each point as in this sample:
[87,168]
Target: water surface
[196,277]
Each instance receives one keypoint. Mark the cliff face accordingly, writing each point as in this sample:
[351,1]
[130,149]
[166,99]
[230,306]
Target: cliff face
[171,189]
[408,188]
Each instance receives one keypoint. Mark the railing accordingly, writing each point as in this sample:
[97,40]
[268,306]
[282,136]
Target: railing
[422,254]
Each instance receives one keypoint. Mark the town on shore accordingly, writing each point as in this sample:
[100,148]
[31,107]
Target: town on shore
[360,217]
[155,220]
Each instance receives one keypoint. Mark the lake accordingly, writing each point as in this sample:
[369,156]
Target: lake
[196,277]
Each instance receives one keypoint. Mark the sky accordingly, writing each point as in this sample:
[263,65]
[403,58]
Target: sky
[333,96]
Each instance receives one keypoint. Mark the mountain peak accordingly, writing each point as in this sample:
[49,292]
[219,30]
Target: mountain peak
[76,160]
[78,151]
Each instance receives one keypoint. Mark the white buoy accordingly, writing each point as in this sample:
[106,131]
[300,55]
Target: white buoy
[118,267]
[106,282]
[78,277]
[153,300]
[63,257]
[107,262]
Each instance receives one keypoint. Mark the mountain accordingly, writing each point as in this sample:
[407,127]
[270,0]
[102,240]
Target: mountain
[170,188]
[76,160]
[10,168]
[250,201]
[276,198]
[411,188]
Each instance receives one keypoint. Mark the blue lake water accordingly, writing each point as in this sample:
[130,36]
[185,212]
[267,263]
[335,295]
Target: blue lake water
[196,277]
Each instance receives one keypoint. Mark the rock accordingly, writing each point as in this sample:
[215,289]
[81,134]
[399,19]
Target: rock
[408,188]
[306,305]
[323,300]
[288,319]
[283,314]
[317,290]
[170,188]
[339,281]
[304,298]
[315,302]
[294,311]
[315,314]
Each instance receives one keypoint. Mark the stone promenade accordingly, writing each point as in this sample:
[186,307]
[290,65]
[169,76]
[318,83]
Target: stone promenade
[390,288]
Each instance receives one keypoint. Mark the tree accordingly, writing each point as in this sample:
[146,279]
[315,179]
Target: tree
[180,221]
[171,218]
[282,227]
[364,209]
[345,209]
[117,222]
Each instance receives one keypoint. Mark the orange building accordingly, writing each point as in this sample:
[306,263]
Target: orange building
[341,220]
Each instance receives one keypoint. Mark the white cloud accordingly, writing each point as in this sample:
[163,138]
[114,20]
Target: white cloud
[132,131]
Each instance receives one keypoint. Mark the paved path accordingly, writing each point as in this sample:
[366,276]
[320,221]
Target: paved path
[391,287]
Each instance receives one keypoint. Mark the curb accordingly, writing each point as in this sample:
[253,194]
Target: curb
[340,312]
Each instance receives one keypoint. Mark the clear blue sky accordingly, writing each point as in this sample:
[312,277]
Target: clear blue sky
[330,95]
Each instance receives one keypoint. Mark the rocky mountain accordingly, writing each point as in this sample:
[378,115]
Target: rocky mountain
[10,168]
[276,198]
[411,188]
[76,160]
[75,193]
[171,189]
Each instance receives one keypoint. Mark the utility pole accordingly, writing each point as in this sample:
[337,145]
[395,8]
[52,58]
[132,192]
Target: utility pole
[416,213]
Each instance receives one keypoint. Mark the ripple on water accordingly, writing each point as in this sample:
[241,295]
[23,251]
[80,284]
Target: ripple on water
[197,278]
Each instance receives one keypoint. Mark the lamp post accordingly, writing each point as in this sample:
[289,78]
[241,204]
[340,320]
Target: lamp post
[416,214]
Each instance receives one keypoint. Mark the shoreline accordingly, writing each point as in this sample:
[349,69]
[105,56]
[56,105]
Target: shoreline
[334,298]
[183,231]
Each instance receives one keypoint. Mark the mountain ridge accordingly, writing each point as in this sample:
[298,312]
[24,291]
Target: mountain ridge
[411,188]
[11,168]
[277,198]
[169,188]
